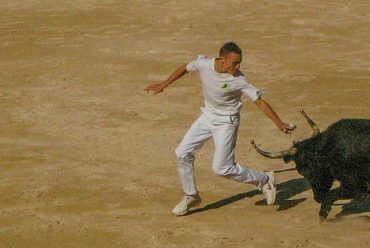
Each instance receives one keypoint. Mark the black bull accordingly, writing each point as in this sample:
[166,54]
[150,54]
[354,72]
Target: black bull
[342,153]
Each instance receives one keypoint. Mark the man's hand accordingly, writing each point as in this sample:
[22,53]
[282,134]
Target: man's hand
[287,128]
[157,88]
[269,112]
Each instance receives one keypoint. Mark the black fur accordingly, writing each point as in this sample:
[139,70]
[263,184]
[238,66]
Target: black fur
[340,153]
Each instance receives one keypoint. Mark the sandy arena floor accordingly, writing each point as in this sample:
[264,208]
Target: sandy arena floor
[87,157]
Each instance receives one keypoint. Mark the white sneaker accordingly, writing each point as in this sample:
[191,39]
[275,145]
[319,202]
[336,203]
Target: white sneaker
[185,204]
[269,189]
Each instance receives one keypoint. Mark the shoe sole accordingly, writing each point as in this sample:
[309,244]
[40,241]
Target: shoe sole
[273,188]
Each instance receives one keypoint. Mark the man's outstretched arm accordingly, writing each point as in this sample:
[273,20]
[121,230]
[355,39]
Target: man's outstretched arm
[158,88]
[270,113]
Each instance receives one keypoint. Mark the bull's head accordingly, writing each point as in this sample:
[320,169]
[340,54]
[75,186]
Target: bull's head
[293,152]
[289,154]
[300,153]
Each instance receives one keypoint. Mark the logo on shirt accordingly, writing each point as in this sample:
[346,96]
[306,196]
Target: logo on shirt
[225,87]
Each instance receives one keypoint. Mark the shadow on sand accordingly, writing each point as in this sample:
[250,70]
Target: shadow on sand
[285,191]
[355,206]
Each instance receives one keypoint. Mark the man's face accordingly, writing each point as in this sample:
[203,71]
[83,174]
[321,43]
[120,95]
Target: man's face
[231,62]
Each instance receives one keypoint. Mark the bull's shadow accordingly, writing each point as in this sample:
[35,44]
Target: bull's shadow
[285,190]
[355,206]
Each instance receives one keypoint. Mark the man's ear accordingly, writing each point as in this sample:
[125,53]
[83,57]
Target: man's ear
[221,58]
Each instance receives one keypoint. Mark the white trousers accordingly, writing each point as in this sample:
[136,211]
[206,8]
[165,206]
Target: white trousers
[224,130]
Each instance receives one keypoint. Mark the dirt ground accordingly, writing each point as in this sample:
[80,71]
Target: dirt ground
[87,157]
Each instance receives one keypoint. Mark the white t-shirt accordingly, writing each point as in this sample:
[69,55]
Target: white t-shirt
[222,92]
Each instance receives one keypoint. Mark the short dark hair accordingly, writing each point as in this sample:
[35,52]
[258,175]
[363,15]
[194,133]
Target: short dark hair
[229,47]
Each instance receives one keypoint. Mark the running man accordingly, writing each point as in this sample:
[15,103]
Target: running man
[223,86]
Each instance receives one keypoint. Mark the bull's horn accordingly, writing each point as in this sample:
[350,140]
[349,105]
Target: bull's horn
[291,151]
[315,128]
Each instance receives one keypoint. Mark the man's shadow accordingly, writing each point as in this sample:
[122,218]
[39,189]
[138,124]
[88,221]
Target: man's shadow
[285,190]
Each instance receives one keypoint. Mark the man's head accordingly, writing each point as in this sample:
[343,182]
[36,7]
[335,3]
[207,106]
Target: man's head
[230,57]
